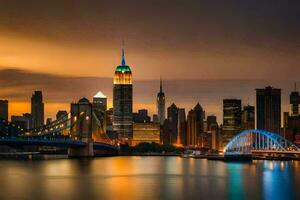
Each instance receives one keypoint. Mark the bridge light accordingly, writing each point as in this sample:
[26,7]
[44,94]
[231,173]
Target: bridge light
[87,117]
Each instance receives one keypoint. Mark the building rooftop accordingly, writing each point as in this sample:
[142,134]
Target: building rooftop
[83,101]
[99,95]
[123,68]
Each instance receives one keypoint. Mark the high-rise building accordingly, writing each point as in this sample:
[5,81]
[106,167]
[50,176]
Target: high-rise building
[200,116]
[285,119]
[291,123]
[295,101]
[173,122]
[213,132]
[28,116]
[122,101]
[160,104]
[231,119]
[37,109]
[99,103]
[211,120]
[192,128]
[165,134]
[4,109]
[109,124]
[268,109]
[248,118]
[99,108]
[181,129]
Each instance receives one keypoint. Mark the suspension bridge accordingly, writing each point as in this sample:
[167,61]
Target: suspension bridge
[80,131]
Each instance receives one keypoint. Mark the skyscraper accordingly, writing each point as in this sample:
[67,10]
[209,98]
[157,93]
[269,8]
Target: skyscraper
[181,129]
[231,119]
[248,118]
[160,104]
[100,102]
[213,132]
[295,101]
[192,128]
[200,116]
[37,109]
[99,107]
[268,109]
[173,122]
[122,101]
[4,109]
[211,120]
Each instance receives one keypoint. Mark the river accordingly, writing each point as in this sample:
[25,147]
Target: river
[146,178]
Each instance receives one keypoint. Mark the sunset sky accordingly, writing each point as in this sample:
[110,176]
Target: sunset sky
[244,44]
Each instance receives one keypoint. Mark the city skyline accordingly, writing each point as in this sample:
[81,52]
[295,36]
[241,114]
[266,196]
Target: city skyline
[149,99]
[209,93]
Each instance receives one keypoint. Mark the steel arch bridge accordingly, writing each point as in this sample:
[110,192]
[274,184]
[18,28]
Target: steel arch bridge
[250,141]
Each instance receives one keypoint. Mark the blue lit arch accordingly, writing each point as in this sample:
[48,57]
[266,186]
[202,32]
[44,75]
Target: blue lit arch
[259,140]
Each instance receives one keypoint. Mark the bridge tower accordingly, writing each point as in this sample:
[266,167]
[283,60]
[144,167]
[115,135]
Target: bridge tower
[81,117]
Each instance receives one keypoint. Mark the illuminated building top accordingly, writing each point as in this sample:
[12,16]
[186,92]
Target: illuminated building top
[99,95]
[123,73]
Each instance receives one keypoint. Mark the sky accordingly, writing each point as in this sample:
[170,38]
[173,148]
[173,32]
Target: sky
[207,43]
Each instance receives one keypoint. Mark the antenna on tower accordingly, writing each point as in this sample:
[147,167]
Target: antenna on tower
[123,63]
[160,85]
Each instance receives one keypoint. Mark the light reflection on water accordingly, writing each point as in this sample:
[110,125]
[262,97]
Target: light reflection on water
[148,178]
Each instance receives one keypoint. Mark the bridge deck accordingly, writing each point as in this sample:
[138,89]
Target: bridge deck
[52,142]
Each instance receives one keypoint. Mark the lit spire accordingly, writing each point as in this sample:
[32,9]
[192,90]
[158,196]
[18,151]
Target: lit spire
[123,55]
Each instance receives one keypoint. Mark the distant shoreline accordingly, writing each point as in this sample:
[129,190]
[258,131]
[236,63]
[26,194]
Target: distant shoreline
[42,156]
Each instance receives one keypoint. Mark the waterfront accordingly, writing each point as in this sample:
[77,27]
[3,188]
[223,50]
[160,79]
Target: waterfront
[148,178]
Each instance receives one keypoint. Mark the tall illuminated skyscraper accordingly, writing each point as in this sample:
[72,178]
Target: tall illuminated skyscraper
[232,118]
[122,101]
[160,104]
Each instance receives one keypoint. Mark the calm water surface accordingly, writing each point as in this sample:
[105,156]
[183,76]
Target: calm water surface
[148,178]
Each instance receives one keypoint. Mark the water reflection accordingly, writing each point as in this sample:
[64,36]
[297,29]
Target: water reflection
[148,178]
[277,180]
[235,181]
